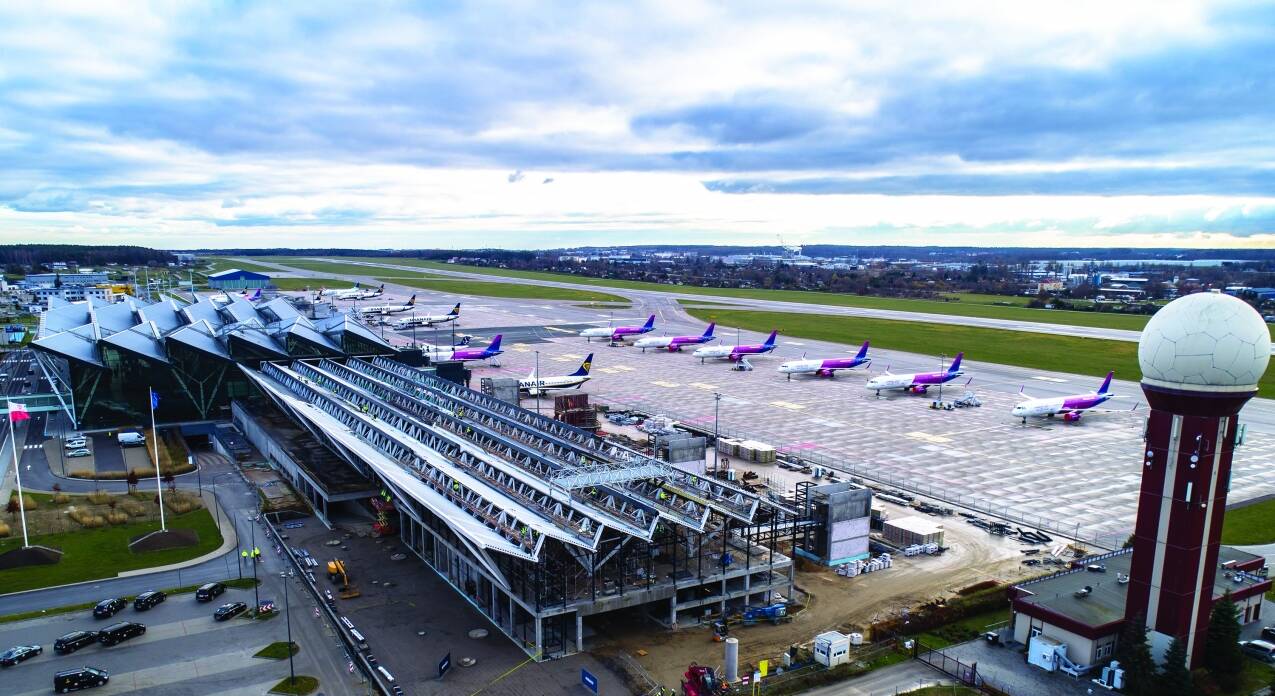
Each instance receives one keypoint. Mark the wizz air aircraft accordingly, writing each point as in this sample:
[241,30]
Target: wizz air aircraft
[344,294]
[441,353]
[675,343]
[389,309]
[618,333]
[826,367]
[1069,407]
[916,383]
[428,320]
[736,352]
[536,385]
[255,296]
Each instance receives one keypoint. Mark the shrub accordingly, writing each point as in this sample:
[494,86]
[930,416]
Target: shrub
[99,497]
[133,508]
[117,518]
[27,501]
[81,474]
[4,529]
[61,499]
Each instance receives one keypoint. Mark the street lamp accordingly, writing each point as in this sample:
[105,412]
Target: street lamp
[536,383]
[717,404]
[287,613]
[942,362]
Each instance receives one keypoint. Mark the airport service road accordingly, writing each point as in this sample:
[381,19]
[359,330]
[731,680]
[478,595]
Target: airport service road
[1084,473]
[183,651]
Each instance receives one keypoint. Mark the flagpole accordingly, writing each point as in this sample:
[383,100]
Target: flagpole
[158,487]
[17,471]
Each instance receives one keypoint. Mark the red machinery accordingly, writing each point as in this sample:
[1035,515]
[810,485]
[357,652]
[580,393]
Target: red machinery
[699,680]
[384,525]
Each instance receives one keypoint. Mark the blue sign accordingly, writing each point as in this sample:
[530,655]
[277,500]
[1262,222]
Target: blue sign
[589,681]
[444,665]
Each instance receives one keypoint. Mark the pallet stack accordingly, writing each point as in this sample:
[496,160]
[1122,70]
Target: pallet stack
[574,409]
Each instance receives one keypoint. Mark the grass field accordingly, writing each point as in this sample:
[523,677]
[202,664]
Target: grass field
[222,264]
[1251,524]
[963,630]
[90,554]
[1073,354]
[308,283]
[968,304]
[337,267]
[483,288]
[303,685]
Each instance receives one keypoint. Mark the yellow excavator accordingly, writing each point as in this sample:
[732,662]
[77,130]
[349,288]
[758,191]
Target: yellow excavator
[337,574]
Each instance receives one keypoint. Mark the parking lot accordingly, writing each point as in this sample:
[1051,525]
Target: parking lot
[1083,473]
[184,651]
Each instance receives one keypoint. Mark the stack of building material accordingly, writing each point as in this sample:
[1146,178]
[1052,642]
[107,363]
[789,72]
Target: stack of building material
[503,388]
[574,409]
[726,445]
[751,451]
[907,531]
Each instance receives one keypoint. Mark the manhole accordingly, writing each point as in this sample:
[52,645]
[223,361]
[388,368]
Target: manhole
[398,557]
[467,662]
[478,633]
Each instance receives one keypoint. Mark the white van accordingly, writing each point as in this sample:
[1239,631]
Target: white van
[131,439]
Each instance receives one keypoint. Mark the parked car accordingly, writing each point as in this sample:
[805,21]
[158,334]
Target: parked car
[1262,650]
[229,611]
[82,678]
[120,632]
[131,439]
[148,599]
[19,653]
[107,608]
[75,442]
[209,592]
[81,452]
[73,641]
[1268,633]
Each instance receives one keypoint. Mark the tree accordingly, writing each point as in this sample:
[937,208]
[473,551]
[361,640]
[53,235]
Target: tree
[1222,655]
[171,480]
[1134,656]
[132,481]
[1175,680]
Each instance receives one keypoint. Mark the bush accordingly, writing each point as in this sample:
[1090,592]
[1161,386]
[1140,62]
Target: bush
[27,501]
[81,474]
[4,529]
[977,587]
[99,497]
[87,519]
[116,517]
[133,508]
[61,499]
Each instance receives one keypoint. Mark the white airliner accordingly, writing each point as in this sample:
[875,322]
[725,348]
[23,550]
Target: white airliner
[428,319]
[1069,407]
[355,293]
[389,309]
[536,386]
[917,382]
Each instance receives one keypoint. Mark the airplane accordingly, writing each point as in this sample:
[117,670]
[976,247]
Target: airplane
[735,352]
[428,320]
[255,296]
[389,309]
[675,343]
[826,367]
[618,333]
[344,294]
[442,353]
[536,386]
[916,383]
[1069,407]
[366,294]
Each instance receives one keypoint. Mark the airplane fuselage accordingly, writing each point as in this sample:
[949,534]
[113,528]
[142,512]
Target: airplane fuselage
[918,383]
[1070,407]
[821,368]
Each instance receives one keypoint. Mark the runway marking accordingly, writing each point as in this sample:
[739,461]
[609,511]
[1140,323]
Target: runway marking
[828,423]
[608,370]
[793,343]
[565,331]
[572,356]
[926,437]
[519,347]
[625,368]
[563,358]
[735,400]
[705,387]
[662,383]
[1048,379]
[787,405]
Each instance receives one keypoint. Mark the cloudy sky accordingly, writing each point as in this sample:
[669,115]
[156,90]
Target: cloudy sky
[525,124]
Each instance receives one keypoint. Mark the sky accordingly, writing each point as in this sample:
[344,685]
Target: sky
[541,125]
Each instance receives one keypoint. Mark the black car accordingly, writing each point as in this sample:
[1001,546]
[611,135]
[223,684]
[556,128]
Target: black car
[228,611]
[120,632]
[73,641]
[107,608]
[209,592]
[19,653]
[146,600]
[1268,633]
[82,678]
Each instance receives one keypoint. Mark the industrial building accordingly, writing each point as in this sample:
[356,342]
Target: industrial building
[102,358]
[36,280]
[912,531]
[541,526]
[839,522]
[235,279]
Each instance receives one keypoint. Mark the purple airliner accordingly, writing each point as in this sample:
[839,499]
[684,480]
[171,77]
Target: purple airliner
[442,353]
[916,383]
[1069,407]
[826,367]
[618,333]
[736,352]
[674,343]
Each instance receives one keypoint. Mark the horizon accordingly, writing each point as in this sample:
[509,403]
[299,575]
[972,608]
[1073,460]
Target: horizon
[1141,126]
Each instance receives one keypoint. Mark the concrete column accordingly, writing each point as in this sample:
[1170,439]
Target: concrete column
[672,611]
[579,632]
[540,638]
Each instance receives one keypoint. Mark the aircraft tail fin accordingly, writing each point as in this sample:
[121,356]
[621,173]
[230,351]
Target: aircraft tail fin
[770,340]
[650,322]
[956,364]
[708,333]
[411,301]
[863,351]
[583,370]
[1106,383]
[495,344]
[455,310]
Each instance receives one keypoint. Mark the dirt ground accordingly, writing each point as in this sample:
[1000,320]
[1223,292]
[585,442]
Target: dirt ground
[832,602]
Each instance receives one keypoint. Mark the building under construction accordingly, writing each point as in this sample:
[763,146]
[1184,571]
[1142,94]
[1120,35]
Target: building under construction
[540,525]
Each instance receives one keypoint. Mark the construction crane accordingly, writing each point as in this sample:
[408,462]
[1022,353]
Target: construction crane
[337,574]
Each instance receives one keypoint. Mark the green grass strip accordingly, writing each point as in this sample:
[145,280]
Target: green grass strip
[1251,524]
[278,650]
[219,264]
[1072,354]
[483,288]
[303,685]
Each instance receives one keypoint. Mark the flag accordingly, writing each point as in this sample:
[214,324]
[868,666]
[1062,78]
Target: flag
[154,400]
[18,411]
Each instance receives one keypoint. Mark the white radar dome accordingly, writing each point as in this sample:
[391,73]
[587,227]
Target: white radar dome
[1205,342]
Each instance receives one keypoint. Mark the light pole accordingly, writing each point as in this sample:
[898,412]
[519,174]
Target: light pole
[942,362]
[717,405]
[252,556]
[536,383]
[287,613]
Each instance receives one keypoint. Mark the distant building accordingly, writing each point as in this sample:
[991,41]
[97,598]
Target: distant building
[50,279]
[235,279]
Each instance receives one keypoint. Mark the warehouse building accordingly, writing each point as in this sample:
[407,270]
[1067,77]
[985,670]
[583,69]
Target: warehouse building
[541,526]
[910,531]
[235,279]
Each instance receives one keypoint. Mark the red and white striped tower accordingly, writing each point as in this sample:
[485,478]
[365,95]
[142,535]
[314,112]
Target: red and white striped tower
[1201,356]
